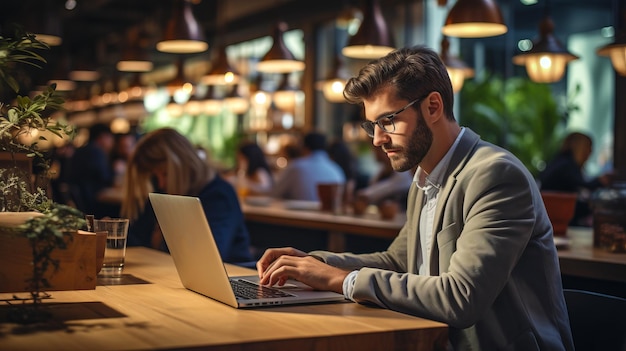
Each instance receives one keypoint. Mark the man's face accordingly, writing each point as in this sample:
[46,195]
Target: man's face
[407,146]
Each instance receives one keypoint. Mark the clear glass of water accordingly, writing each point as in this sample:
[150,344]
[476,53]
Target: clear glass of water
[117,233]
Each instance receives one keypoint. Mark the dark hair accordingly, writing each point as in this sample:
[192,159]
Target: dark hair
[315,141]
[255,156]
[292,150]
[98,129]
[412,73]
[339,152]
[573,139]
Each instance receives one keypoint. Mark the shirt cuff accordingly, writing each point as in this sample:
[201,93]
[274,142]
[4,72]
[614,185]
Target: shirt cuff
[348,285]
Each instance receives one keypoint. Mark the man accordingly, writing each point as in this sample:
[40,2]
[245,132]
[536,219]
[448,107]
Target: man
[477,249]
[565,173]
[298,181]
[91,172]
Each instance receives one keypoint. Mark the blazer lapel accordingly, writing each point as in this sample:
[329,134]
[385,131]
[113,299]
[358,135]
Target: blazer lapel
[460,157]
[413,243]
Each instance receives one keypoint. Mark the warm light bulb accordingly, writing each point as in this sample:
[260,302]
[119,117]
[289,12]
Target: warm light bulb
[120,125]
[457,77]
[261,99]
[545,62]
[546,68]
[333,90]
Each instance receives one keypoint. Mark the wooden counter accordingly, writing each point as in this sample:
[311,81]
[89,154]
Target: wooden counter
[581,259]
[337,225]
[151,310]
[578,259]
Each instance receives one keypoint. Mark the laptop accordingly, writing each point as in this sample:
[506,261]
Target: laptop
[200,267]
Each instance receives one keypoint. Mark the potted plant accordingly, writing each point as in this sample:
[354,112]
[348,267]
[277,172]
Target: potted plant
[517,114]
[27,214]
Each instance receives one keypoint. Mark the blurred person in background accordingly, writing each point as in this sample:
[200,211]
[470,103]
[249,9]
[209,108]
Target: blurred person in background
[165,161]
[565,172]
[339,151]
[60,174]
[299,179]
[91,172]
[252,174]
[123,148]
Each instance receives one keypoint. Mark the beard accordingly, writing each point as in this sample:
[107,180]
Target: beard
[420,142]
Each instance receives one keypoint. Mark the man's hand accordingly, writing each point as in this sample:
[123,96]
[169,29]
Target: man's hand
[278,265]
[271,255]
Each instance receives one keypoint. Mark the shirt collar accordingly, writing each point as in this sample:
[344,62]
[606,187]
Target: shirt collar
[435,179]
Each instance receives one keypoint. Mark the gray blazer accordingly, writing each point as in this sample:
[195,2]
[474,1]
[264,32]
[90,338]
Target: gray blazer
[495,276]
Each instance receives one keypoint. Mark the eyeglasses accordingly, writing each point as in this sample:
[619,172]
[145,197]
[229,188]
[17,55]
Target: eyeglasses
[386,122]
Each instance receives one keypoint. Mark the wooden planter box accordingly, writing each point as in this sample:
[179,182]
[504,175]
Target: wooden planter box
[77,263]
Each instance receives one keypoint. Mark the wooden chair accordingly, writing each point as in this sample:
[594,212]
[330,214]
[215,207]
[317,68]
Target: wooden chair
[598,321]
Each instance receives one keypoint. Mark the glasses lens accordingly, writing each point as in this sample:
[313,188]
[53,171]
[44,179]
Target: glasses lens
[368,127]
[386,124]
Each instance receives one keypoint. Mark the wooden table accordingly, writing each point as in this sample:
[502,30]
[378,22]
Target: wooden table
[581,259]
[337,225]
[152,310]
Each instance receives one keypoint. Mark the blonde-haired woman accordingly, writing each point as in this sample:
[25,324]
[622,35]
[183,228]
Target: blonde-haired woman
[165,161]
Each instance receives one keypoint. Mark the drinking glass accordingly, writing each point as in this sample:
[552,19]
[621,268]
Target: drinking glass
[115,251]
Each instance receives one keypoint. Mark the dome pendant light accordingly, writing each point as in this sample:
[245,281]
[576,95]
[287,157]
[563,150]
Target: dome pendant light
[474,19]
[373,39]
[134,56]
[457,69]
[279,59]
[183,34]
[616,51]
[546,61]
[221,72]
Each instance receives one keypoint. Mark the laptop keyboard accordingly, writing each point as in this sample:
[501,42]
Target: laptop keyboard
[247,290]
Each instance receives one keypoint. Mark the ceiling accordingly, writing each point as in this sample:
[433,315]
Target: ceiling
[100,27]
[95,30]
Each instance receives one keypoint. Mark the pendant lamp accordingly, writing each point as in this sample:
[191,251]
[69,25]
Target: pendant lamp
[212,105]
[616,51]
[474,19]
[183,34]
[373,39]
[287,96]
[236,102]
[332,87]
[457,69]
[279,59]
[179,88]
[134,55]
[221,72]
[83,68]
[195,105]
[546,61]
[46,24]
[174,108]
[84,72]
[260,99]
